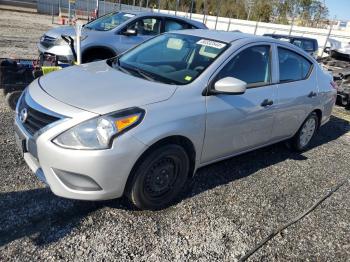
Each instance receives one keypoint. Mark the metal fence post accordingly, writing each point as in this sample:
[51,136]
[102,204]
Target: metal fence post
[158,6]
[52,12]
[229,22]
[256,27]
[291,27]
[191,10]
[217,14]
[120,5]
[204,10]
[176,6]
[328,35]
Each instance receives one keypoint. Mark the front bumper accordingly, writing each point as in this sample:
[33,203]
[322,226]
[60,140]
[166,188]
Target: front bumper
[87,174]
[62,52]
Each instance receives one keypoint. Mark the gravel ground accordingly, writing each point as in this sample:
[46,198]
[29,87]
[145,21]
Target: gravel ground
[226,210]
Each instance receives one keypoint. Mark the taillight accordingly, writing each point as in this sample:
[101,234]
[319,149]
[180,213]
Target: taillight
[334,85]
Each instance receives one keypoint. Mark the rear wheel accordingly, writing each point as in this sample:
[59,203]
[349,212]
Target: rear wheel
[303,137]
[12,98]
[159,178]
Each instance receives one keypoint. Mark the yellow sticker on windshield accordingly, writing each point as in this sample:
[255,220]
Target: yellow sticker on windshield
[188,78]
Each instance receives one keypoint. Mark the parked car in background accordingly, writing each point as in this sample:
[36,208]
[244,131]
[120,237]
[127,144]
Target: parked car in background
[310,45]
[112,34]
[142,123]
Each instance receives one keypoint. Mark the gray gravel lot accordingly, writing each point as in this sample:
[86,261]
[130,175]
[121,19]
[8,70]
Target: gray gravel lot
[224,212]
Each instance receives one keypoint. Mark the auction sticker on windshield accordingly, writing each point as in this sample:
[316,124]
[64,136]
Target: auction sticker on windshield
[210,43]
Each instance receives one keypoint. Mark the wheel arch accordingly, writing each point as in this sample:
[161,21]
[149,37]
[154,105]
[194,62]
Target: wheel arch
[180,140]
[105,49]
[319,116]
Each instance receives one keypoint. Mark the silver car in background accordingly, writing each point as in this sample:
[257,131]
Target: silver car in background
[112,34]
[142,123]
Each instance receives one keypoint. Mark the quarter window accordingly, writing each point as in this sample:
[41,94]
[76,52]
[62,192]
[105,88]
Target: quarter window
[293,67]
[172,25]
[252,66]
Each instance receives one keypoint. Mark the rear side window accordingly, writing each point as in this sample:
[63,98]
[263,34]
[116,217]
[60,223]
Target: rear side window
[293,67]
[172,25]
[252,66]
[307,45]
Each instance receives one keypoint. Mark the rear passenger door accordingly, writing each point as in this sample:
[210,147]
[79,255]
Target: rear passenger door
[296,93]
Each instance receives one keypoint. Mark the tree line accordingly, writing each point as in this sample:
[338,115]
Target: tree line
[303,12]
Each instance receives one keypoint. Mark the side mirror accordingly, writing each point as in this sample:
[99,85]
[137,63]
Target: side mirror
[230,86]
[130,32]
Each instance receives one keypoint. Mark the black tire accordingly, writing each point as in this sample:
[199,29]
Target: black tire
[12,98]
[159,178]
[297,143]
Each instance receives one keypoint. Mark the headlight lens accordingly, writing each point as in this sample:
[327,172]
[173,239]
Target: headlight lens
[60,41]
[97,133]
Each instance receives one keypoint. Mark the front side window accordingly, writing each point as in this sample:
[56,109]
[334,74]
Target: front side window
[146,26]
[109,21]
[252,66]
[293,67]
[171,58]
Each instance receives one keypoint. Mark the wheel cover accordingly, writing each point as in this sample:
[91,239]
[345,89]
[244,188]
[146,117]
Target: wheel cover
[307,131]
[161,177]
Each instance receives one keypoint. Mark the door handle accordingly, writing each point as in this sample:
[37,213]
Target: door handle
[312,94]
[266,102]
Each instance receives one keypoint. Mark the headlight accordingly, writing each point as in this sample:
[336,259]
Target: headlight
[60,41]
[97,133]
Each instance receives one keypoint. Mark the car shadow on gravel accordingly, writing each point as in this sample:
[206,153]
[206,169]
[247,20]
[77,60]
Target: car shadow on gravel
[46,218]
[241,166]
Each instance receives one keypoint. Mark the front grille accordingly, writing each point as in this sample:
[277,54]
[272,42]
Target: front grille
[47,41]
[35,120]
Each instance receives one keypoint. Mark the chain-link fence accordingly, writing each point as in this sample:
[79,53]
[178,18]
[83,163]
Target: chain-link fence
[215,14]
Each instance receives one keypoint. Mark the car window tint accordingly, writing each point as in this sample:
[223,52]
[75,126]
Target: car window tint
[172,25]
[307,45]
[146,26]
[252,66]
[293,67]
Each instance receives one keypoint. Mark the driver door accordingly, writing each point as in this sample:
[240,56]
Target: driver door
[238,123]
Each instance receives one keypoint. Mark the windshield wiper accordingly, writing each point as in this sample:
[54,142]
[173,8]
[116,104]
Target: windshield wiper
[145,75]
[116,64]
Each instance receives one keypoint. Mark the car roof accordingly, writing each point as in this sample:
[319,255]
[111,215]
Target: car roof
[222,36]
[156,14]
[291,37]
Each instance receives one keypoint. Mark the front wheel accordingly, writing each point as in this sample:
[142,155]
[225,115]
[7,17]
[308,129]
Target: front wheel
[303,137]
[159,178]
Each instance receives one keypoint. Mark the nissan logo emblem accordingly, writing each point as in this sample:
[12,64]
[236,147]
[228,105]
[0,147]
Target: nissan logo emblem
[23,115]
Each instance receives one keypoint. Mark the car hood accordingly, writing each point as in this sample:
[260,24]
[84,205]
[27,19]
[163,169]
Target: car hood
[62,30]
[101,89]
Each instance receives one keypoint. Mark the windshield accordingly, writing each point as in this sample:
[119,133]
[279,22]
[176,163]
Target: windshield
[171,58]
[109,21]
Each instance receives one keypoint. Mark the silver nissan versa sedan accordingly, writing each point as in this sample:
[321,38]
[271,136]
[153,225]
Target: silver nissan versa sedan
[142,123]
[112,34]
